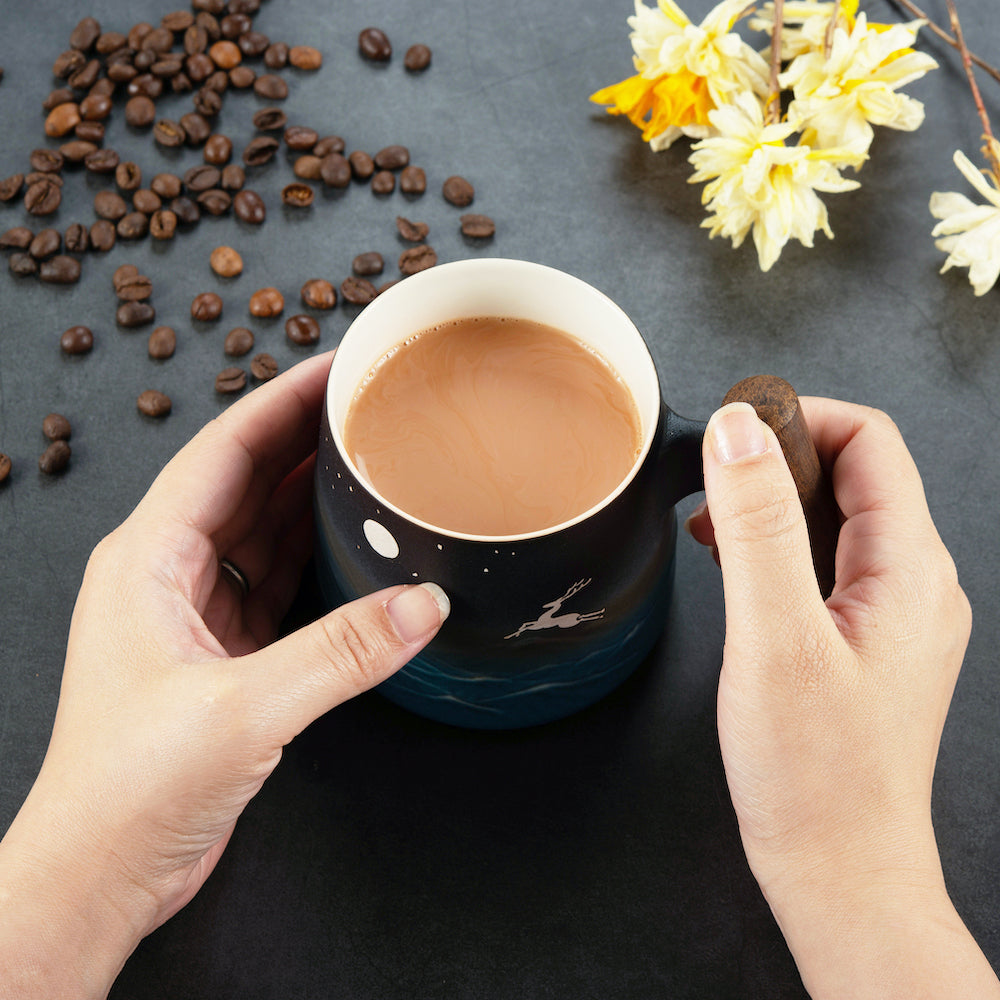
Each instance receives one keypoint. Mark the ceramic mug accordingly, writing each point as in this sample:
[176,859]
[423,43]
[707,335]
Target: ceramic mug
[545,623]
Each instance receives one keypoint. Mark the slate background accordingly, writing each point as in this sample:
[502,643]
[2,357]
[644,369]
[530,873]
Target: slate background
[596,857]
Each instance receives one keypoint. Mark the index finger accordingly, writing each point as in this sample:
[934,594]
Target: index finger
[219,482]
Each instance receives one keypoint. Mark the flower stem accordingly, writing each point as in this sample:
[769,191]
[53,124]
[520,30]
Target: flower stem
[912,8]
[991,147]
[772,110]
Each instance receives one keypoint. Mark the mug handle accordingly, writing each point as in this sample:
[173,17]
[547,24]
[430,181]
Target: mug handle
[777,404]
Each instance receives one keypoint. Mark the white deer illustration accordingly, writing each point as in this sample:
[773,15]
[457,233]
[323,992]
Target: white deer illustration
[549,619]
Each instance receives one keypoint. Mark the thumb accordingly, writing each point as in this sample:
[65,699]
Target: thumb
[351,649]
[760,529]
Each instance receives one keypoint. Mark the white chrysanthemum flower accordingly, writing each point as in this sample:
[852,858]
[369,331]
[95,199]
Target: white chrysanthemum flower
[970,232]
[760,184]
[838,99]
[683,70]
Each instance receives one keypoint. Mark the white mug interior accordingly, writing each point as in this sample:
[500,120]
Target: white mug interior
[493,287]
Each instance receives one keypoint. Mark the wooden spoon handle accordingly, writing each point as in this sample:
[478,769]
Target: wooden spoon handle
[778,406]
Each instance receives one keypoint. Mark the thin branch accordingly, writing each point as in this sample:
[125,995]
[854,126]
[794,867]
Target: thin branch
[772,113]
[990,149]
[912,8]
[830,31]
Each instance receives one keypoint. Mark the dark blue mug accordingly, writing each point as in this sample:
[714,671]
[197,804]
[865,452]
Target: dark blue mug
[542,624]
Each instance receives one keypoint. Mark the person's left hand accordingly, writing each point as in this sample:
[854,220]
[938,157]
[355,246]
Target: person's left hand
[177,699]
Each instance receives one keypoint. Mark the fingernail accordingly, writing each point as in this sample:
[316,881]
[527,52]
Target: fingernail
[736,433]
[418,610]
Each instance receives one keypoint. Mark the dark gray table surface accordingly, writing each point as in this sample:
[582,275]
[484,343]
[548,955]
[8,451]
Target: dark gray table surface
[390,857]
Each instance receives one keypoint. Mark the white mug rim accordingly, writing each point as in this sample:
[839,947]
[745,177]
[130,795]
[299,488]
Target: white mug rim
[647,398]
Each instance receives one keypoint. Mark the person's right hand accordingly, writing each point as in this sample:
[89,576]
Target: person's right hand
[830,713]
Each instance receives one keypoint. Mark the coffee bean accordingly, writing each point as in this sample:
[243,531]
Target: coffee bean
[110,41]
[374,44]
[123,273]
[230,380]
[6,465]
[163,224]
[85,77]
[368,263]
[144,85]
[55,458]
[167,67]
[162,343]
[329,144]
[41,176]
[357,291]
[186,210]
[166,185]
[479,227]
[199,67]
[253,44]
[77,340]
[318,293]
[10,187]
[102,236]
[95,107]
[128,176]
[242,77]
[154,403]
[384,182]
[146,201]
[300,138]
[217,150]
[226,262]
[233,177]
[335,170]
[195,39]
[168,133]
[91,131]
[417,58]
[362,165]
[42,197]
[62,119]
[249,207]
[18,238]
[133,226]
[77,238]
[140,111]
[46,161]
[392,157]
[297,195]
[102,161]
[208,102]
[60,270]
[219,81]
[225,54]
[234,24]
[308,167]
[206,307]
[270,87]
[76,151]
[239,341]
[458,191]
[266,302]
[84,35]
[305,57]
[132,287]
[202,177]
[196,127]
[417,258]
[270,119]
[110,205]
[276,55]
[215,201]
[260,150]
[57,428]
[68,63]
[414,232]
[22,264]
[302,330]
[132,314]
[263,367]
[61,95]
[47,243]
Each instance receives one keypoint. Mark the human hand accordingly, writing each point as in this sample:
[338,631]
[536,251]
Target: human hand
[830,714]
[177,699]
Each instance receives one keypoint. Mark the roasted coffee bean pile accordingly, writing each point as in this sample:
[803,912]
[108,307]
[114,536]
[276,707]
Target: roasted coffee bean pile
[209,52]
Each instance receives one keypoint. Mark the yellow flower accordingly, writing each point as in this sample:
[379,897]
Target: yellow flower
[838,99]
[683,70]
[760,184]
[805,23]
[971,232]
